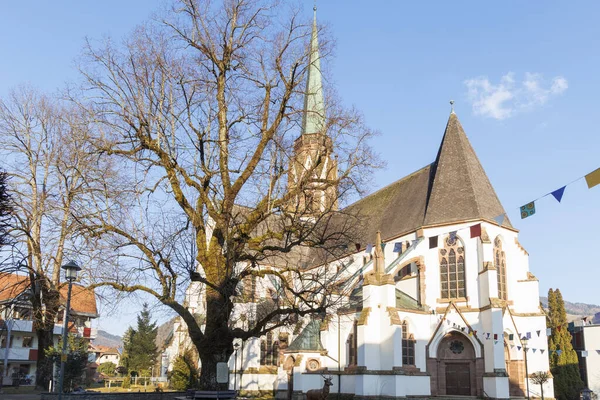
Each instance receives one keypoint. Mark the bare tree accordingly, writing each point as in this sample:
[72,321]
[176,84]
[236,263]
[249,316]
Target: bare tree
[49,169]
[5,209]
[540,378]
[203,108]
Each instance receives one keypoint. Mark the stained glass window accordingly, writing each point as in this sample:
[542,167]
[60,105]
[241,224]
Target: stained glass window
[408,346]
[452,269]
[500,264]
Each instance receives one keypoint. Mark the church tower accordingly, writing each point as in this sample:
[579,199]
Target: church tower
[313,168]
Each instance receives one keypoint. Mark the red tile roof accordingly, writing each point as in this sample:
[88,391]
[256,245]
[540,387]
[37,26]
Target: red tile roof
[83,300]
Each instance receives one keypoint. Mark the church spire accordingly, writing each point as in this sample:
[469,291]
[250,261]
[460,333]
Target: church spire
[313,120]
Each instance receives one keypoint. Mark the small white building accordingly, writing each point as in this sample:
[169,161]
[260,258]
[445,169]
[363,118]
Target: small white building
[586,342]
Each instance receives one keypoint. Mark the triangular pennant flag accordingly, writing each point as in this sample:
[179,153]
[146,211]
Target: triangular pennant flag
[558,193]
[470,333]
[499,219]
[528,335]
[593,178]
[542,351]
[512,346]
[452,236]
[495,336]
[534,350]
[526,349]
[528,210]
[519,348]
[584,353]
[488,335]
[433,242]
[462,328]
[383,245]
[357,245]
[369,248]
[538,333]
[398,247]
[511,336]
[475,231]
[548,331]
[598,351]
[448,321]
[495,342]
[475,333]
[559,352]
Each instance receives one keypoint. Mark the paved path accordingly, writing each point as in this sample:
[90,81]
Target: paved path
[6,396]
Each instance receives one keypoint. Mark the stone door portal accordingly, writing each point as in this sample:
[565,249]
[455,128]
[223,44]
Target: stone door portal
[458,379]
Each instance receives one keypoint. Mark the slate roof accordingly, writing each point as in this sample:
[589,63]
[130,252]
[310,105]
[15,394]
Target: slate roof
[309,339]
[453,188]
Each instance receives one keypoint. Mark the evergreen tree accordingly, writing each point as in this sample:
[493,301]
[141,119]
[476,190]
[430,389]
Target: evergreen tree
[127,348]
[184,374]
[143,352]
[563,359]
[76,363]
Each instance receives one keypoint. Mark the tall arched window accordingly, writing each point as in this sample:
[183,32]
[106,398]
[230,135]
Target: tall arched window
[452,269]
[408,346]
[500,264]
[269,351]
[353,345]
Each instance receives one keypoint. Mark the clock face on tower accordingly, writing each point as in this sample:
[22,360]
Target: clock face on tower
[456,346]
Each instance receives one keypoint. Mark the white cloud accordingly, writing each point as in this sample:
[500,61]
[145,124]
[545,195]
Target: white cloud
[509,97]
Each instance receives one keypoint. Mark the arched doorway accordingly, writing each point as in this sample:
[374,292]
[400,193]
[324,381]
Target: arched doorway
[457,367]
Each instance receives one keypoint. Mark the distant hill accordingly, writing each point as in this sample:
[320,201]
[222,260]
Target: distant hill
[106,339]
[164,333]
[575,310]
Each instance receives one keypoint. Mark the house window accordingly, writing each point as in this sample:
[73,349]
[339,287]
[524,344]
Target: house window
[353,345]
[452,269]
[405,271]
[269,351]
[500,264]
[408,346]
[27,341]
[3,342]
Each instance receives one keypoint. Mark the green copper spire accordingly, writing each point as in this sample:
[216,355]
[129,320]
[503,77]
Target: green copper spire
[313,120]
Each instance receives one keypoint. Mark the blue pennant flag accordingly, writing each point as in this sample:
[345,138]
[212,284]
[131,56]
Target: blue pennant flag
[398,247]
[528,210]
[369,248]
[558,193]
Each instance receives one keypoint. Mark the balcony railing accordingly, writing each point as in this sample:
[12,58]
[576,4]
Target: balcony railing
[16,353]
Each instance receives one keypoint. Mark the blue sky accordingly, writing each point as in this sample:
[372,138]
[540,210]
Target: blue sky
[524,76]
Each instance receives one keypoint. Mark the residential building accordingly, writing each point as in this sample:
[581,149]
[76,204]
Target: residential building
[19,349]
[586,342]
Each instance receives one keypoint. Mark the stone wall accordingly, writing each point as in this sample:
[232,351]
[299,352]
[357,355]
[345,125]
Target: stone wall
[115,396]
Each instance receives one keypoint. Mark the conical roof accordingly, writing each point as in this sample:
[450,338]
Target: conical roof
[459,188]
[313,120]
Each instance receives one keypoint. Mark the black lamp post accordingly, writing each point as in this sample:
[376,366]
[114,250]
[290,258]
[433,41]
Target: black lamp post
[524,340]
[235,372]
[71,269]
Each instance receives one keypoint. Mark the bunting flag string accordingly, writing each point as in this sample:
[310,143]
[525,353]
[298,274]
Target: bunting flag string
[592,179]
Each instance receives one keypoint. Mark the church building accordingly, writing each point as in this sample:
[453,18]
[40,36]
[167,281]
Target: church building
[439,301]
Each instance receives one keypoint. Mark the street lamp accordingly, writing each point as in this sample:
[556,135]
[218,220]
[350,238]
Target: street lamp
[235,372]
[71,269]
[524,340]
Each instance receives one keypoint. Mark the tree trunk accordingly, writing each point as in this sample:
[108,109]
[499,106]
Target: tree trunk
[217,343]
[542,390]
[43,373]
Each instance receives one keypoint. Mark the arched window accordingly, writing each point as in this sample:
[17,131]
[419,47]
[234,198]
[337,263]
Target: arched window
[269,351]
[353,345]
[452,269]
[500,264]
[408,346]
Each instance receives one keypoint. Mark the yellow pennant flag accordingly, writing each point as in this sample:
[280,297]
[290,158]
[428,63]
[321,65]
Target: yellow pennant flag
[593,178]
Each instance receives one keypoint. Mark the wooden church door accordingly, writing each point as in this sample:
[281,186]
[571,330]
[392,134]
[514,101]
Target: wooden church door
[458,379]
